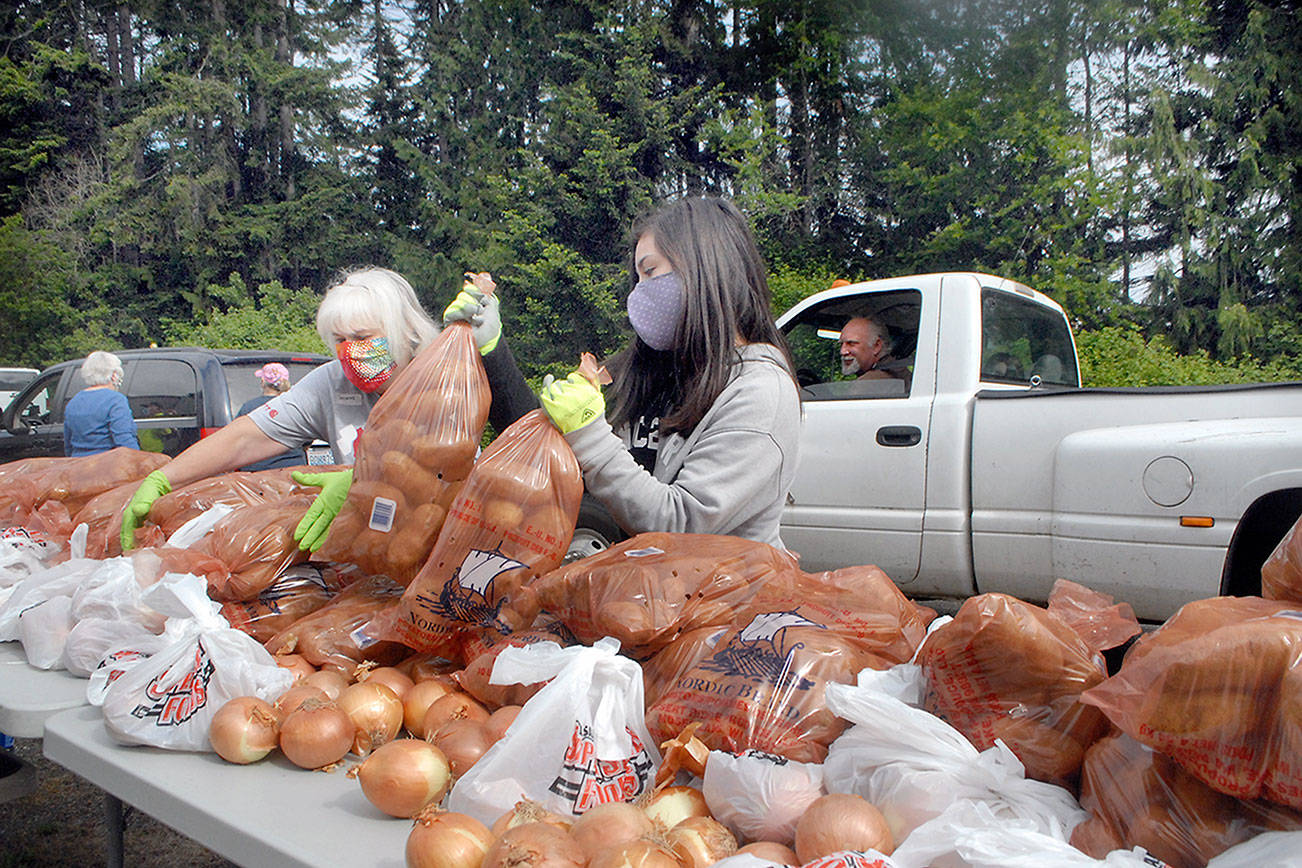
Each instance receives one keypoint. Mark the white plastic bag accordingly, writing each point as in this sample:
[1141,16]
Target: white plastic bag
[993,845]
[22,554]
[579,742]
[43,629]
[169,699]
[760,796]
[200,526]
[59,580]
[913,766]
[1276,849]
[116,598]
[92,639]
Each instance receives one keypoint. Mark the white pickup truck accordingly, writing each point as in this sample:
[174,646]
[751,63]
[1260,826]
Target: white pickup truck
[994,471]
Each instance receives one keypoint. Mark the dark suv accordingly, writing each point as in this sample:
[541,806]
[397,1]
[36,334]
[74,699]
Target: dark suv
[177,395]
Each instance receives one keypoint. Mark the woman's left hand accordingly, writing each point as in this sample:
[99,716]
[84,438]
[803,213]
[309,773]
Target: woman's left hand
[477,305]
[573,402]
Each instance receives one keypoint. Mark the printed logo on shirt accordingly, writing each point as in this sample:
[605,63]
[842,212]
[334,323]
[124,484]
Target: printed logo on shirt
[271,413]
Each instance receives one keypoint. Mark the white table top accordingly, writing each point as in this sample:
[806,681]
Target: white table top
[29,695]
[266,813]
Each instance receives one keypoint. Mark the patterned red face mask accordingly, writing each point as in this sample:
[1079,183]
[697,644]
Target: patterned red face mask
[367,363]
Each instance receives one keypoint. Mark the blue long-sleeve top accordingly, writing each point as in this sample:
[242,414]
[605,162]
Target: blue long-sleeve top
[96,420]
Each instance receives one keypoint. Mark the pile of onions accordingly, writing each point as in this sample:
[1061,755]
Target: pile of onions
[699,842]
[330,681]
[392,678]
[534,845]
[609,825]
[463,742]
[376,713]
[527,811]
[443,839]
[672,805]
[317,734]
[404,776]
[244,730]
[841,821]
[451,708]
[642,853]
[500,721]
[418,700]
[772,852]
[289,701]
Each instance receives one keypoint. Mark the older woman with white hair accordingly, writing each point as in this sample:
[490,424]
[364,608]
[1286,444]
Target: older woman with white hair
[376,326]
[98,418]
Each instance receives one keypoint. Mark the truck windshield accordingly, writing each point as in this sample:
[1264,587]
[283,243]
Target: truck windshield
[1021,340]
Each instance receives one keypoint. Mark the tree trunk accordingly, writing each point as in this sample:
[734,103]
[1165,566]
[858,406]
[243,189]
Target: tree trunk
[126,46]
[284,56]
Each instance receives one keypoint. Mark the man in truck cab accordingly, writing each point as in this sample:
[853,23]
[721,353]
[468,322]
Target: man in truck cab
[865,352]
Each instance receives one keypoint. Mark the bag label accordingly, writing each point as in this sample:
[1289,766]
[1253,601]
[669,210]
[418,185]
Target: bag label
[643,553]
[382,513]
[174,704]
[587,780]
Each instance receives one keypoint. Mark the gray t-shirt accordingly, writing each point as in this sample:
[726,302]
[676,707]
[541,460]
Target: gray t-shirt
[321,406]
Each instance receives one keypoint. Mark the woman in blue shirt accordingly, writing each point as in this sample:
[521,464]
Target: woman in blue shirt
[98,417]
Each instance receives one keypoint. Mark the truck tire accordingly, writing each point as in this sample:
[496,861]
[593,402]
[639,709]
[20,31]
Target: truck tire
[594,532]
[1259,531]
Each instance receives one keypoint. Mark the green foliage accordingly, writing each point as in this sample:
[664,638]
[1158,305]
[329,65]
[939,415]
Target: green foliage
[1121,356]
[271,318]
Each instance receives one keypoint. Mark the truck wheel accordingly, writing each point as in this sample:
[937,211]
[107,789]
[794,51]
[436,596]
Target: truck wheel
[1259,531]
[595,531]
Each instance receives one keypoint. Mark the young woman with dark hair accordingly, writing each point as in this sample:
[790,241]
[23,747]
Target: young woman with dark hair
[702,431]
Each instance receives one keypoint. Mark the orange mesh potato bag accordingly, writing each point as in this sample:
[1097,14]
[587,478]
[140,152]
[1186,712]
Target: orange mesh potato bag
[648,589]
[1100,622]
[1218,688]
[257,544]
[662,671]
[298,593]
[482,652]
[419,444]
[512,521]
[339,635]
[74,481]
[151,564]
[1281,574]
[102,516]
[1139,797]
[760,684]
[1007,669]
[240,488]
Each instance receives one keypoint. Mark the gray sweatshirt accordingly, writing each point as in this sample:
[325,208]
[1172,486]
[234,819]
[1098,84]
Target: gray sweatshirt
[730,475]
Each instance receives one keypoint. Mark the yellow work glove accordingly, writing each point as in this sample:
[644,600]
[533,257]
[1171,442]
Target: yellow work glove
[152,487]
[572,402]
[481,309]
[312,530]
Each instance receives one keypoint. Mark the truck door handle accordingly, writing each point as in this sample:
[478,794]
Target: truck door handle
[899,435]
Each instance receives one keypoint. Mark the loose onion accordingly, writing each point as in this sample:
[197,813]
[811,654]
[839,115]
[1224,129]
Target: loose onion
[444,839]
[376,713]
[772,852]
[403,776]
[463,742]
[641,853]
[289,701]
[841,821]
[392,678]
[534,845]
[332,683]
[418,700]
[244,730]
[672,805]
[317,734]
[608,825]
[295,663]
[500,721]
[699,842]
[450,708]
[527,811]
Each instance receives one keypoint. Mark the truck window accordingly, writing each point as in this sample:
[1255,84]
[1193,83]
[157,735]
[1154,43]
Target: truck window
[1021,340]
[241,385]
[162,388]
[815,341]
[36,409]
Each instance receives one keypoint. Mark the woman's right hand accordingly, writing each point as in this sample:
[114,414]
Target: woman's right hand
[154,486]
[477,305]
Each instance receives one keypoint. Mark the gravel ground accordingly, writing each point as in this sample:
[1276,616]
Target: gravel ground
[62,823]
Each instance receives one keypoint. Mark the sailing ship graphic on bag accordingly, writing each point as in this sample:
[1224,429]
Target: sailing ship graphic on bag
[467,596]
[761,652]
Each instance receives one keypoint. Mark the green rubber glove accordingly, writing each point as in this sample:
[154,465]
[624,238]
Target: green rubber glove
[482,310]
[152,487]
[312,530]
[572,402]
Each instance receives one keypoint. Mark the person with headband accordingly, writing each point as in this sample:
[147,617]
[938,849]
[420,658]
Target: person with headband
[701,434]
[98,418]
[376,325]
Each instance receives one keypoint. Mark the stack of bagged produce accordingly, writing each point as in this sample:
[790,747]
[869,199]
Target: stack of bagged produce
[1281,574]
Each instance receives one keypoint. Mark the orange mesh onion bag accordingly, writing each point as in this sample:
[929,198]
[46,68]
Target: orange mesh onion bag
[419,444]
[1218,688]
[512,521]
[1281,574]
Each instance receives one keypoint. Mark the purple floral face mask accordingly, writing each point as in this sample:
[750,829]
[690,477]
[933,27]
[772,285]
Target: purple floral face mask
[655,308]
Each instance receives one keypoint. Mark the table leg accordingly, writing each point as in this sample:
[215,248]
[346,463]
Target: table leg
[113,823]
